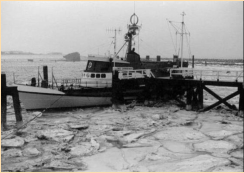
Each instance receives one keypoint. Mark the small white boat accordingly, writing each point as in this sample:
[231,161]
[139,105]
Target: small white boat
[42,98]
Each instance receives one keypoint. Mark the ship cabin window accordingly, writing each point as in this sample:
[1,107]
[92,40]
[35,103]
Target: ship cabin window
[103,75]
[97,75]
[92,75]
[98,66]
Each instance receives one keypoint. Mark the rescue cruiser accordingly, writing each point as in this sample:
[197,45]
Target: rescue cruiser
[94,87]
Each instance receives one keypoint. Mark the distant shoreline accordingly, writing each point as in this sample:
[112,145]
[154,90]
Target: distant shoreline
[222,61]
[28,53]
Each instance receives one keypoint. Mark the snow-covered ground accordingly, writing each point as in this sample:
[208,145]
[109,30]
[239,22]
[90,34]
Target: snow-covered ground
[164,138]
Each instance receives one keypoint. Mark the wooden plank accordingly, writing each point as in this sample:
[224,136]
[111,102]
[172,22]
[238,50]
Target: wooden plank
[221,101]
[217,97]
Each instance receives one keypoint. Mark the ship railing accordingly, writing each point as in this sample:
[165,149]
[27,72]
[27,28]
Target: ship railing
[77,83]
[207,74]
[122,68]
[134,74]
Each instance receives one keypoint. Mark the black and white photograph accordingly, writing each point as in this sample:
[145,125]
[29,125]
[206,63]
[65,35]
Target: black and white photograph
[122,86]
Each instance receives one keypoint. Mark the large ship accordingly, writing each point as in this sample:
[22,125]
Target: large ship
[94,86]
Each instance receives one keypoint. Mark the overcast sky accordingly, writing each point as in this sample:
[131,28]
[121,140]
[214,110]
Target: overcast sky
[216,28]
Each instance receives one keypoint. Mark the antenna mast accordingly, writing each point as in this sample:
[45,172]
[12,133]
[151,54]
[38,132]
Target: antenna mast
[115,35]
[115,42]
[181,32]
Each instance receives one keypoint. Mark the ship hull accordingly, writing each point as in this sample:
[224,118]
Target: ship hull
[42,98]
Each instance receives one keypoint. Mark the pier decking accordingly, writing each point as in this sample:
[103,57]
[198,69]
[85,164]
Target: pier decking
[181,81]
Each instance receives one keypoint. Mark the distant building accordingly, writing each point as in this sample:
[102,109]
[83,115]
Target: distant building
[72,57]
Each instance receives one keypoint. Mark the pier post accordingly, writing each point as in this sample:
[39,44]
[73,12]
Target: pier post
[241,107]
[15,95]
[117,91]
[189,99]
[3,101]
[200,96]
[17,108]
[44,83]
[193,61]
[195,99]
[147,57]
[158,58]
[45,72]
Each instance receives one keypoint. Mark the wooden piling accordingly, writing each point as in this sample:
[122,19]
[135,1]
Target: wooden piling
[117,91]
[193,61]
[158,58]
[3,101]
[241,102]
[200,96]
[195,100]
[44,83]
[17,108]
[45,73]
[3,110]
[189,99]
[12,91]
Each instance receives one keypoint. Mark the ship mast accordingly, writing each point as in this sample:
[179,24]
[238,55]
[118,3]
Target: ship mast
[115,34]
[181,31]
[132,30]
[115,43]
[183,13]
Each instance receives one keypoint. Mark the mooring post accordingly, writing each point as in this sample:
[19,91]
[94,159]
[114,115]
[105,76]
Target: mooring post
[3,102]
[44,83]
[192,61]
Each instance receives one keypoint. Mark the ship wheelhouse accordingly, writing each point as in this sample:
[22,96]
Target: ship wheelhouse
[98,72]
[104,64]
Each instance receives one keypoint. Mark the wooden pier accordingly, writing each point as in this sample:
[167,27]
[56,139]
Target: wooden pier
[186,81]
[12,91]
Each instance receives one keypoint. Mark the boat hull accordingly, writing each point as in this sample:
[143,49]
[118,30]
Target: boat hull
[41,98]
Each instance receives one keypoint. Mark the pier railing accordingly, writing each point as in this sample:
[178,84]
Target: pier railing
[134,74]
[208,74]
